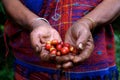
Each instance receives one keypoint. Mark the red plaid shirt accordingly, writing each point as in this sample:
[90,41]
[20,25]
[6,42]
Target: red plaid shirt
[61,18]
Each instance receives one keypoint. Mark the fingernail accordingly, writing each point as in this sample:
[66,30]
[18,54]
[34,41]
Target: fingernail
[77,59]
[80,46]
[37,49]
[67,65]
[58,66]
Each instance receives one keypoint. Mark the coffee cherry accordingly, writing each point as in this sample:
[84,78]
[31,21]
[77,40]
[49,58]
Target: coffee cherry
[62,43]
[54,42]
[64,51]
[71,48]
[59,47]
[67,49]
[52,48]
[74,52]
[48,42]
[53,52]
[48,46]
[67,45]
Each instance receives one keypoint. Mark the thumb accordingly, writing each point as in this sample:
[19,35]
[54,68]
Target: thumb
[35,42]
[86,52]
[82,40]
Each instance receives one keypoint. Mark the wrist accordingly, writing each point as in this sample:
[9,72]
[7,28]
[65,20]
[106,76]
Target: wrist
[38,22]
[89,22]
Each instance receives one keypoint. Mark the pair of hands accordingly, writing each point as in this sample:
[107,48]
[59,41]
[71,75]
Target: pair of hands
[78,33]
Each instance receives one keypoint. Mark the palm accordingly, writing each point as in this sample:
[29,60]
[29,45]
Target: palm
[75,35]
[39,36]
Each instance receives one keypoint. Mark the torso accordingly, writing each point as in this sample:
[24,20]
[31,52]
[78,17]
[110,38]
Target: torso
[67,11]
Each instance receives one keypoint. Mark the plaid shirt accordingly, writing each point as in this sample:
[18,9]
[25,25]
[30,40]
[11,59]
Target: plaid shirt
[61,15]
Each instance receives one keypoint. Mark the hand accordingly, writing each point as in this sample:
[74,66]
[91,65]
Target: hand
[40,35]
[78,35]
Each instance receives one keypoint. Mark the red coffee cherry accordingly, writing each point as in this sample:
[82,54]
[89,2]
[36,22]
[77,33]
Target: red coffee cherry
[67,49]
[64,51]
[48,46]
[62,43]
[67,45]
[59,47]
[53,52]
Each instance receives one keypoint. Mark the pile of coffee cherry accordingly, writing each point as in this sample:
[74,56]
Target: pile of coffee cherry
[59,48]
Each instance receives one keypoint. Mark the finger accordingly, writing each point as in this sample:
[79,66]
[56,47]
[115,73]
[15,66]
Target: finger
[85,53]
[53,34]
[44,33]
[52,58]
[35,42]
[62,59]
[82,39]
[59,66]
[67,65]
[45,37]
[56,36]
[69,39]
[44,55]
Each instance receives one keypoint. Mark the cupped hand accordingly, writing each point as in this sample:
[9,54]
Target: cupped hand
[78,35]
[40,35]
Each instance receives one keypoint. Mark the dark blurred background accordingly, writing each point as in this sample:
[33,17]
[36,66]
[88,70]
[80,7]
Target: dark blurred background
[6,64]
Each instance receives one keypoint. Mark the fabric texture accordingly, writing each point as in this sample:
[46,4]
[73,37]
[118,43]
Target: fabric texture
[62,14]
